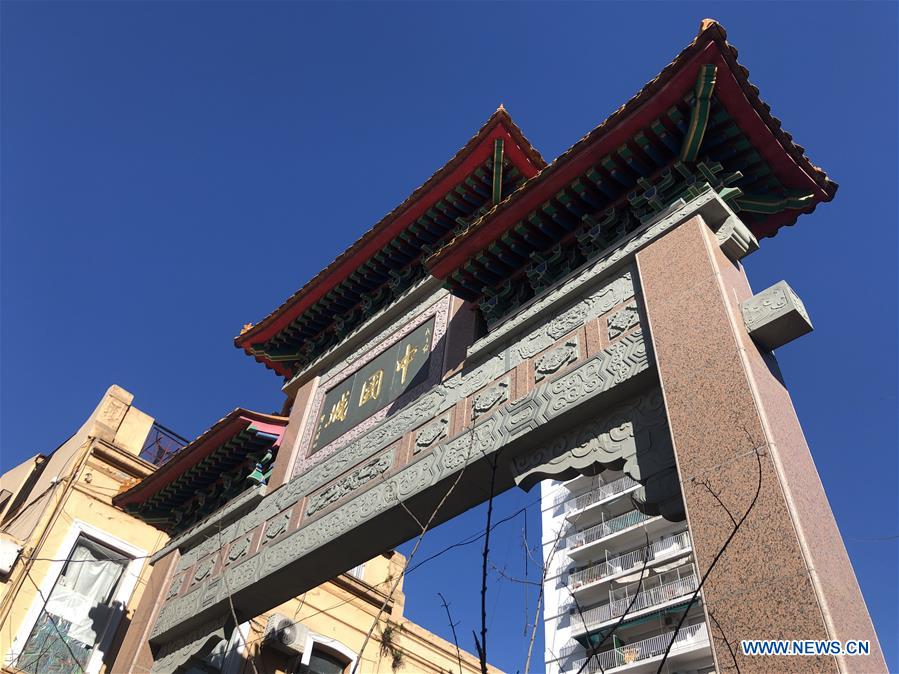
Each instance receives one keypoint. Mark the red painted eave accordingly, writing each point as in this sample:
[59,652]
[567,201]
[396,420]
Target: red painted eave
[199,449]
[740,98]
[517,148]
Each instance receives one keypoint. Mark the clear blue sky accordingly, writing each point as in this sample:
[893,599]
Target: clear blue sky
[171,171]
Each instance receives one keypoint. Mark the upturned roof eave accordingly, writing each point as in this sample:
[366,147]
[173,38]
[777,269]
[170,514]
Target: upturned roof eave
[195,452]
[753,115]
[500,125]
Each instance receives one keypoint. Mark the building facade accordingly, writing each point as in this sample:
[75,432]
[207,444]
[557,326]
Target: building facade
[513,322]
[73,565]
[619,582]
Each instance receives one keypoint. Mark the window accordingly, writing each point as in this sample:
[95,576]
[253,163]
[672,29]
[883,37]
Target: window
[358,572]
[325,663]
[77,611]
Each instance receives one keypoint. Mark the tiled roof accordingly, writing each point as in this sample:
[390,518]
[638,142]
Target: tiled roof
[388,227]
[196,451]
[711,38]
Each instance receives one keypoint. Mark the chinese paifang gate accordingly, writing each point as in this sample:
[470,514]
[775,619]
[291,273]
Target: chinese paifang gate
[589,322]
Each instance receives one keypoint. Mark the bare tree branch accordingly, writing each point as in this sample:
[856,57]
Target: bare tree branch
[243,639]
[424,530]
[545,571]
[717,496]
[453,628]
[482,645]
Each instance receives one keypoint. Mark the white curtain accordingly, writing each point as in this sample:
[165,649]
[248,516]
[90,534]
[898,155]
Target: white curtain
[82,593]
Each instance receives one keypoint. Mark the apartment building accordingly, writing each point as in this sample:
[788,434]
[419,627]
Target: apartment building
[618,584]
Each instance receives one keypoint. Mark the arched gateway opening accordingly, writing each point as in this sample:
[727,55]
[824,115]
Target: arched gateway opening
[511,322]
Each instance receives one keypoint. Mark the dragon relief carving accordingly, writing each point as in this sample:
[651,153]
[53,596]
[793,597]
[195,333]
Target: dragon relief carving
[490,397]
[277,526]
[430,433]
[554,360]
[204,568]
[239,548]
[359,477]
[623,320]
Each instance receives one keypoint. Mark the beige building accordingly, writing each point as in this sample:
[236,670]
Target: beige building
[334,618]
[73,566]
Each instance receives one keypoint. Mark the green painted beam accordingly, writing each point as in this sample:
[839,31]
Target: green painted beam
[699,117]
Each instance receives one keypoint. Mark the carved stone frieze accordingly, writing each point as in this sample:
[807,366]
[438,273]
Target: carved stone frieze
[355,480]
[489,398]
[507,422]
[430,433]
[555,359]
[277,526]
[239,548]
[592,306]
[438,400]
[199,642]
[612,366]
[623,320]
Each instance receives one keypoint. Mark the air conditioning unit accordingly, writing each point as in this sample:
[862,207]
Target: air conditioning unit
[285,634]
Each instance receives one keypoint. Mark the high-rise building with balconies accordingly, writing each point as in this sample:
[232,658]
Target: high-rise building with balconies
[618,583]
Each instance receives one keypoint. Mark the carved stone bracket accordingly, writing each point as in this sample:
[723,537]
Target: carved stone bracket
[194,646]
[632,437]
[775,316]
[735,238]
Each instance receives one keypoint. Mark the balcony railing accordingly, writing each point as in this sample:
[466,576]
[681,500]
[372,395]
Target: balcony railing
[603,529]
[161,445]
[694,635]
[601,493]
[628,560]
[651,597]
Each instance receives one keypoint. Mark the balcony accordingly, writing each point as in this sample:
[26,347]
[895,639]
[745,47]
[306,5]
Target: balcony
[604,492]
[161,445]
[656,597]
[690,644]
[664,549]
[580,540]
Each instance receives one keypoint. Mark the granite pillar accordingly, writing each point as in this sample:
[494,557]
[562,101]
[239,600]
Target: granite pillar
[786,573]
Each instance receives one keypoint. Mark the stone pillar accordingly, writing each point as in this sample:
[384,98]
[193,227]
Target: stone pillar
[282,471]
[134,654]
[786,573]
